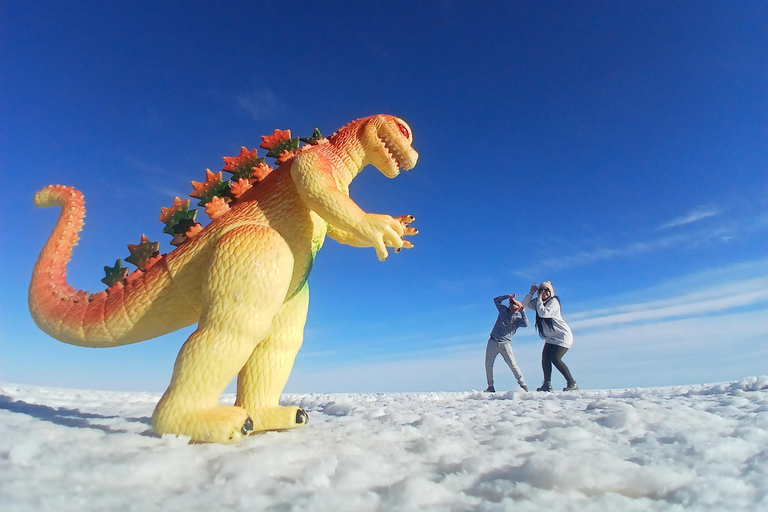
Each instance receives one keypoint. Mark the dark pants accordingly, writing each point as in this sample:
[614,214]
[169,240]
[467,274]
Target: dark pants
[553,354]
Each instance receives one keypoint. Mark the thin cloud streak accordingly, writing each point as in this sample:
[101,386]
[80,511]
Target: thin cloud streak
[602,254]
[711,301]
[693,216]
[259,104]
[685,240]
[711,306]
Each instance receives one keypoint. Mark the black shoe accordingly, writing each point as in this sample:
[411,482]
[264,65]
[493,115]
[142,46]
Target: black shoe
[572,386]
[525,388]
[545,386]
[490,389]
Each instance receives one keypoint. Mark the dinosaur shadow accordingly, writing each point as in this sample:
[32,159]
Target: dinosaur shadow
[66,417]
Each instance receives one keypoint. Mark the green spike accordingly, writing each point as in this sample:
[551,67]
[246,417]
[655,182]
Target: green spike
[115,274]
[143,252]
[316,136]
[245,171]
[221,189]
[286,145]
[180,222]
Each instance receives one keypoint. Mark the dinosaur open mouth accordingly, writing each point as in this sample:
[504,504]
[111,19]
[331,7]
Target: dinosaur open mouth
[395,154]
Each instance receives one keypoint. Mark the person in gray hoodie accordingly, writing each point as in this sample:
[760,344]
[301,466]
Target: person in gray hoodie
[556,333]
[499,343]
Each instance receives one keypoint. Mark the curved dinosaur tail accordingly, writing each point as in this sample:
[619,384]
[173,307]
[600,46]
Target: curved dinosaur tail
[75,316]
[57,308]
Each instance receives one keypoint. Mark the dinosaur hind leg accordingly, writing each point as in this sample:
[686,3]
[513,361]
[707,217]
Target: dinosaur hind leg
[262,379]
[244,287]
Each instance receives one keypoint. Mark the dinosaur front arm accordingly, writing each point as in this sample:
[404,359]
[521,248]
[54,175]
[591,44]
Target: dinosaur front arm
[346,238]
[316,183]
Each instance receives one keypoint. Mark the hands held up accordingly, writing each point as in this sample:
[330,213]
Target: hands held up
[515,305]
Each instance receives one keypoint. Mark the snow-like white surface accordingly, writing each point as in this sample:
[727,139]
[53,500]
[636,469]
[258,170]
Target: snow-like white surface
[686,448]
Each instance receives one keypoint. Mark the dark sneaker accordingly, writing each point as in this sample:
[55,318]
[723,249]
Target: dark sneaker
[525,388]
[572,386]
[545,386]
[490,389]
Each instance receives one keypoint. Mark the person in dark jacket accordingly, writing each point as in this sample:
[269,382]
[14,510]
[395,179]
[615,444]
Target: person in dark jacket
[510,318]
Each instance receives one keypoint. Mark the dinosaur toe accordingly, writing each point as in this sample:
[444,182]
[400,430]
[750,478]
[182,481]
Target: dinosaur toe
[247,428]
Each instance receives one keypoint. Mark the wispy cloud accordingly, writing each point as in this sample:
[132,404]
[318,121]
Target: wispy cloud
[259,104]
[151,172]
[713,300]
[691,217]
[149,168]
[608,253]
[687,239]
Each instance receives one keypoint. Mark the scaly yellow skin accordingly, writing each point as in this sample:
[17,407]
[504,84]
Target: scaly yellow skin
[242,279]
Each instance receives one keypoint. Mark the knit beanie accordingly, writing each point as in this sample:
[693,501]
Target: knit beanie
[548,286]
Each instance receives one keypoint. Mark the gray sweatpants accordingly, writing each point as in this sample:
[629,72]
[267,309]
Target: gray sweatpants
[495,348]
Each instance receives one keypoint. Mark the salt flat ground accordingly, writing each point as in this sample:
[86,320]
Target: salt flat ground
[685,448]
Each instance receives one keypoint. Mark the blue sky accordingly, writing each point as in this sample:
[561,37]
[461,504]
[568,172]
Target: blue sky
[617,149]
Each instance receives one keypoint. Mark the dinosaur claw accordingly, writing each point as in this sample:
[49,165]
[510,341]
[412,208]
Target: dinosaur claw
[247,428]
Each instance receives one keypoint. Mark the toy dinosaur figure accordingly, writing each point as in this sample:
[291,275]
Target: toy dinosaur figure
[243,277]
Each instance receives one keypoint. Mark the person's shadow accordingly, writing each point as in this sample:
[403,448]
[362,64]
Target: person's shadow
[65,416]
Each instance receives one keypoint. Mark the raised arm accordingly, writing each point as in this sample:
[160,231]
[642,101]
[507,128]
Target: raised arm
[498,302]
[523,321]
[528,301]
[324,193]
[549,310]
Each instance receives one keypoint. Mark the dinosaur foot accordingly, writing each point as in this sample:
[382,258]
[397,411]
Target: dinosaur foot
[221,424]
[278,418]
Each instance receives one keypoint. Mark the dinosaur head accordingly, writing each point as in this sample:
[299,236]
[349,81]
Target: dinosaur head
[385,142]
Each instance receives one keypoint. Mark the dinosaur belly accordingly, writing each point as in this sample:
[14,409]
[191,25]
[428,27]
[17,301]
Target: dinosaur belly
[305,254]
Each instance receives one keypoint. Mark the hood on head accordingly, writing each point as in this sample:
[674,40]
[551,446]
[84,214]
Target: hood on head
[548,286]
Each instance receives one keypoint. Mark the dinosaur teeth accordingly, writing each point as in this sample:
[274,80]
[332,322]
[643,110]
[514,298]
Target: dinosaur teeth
[393,151]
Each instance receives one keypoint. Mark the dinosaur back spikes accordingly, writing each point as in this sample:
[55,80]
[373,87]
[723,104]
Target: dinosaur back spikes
[115,274]
[142,253]
[314,139]
[179,221]
[213,186]
[216,207]
[240,187]
[279,143]
[216,194]
[247,165]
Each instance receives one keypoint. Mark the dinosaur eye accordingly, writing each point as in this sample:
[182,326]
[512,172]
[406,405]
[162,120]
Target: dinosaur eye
[404,130]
